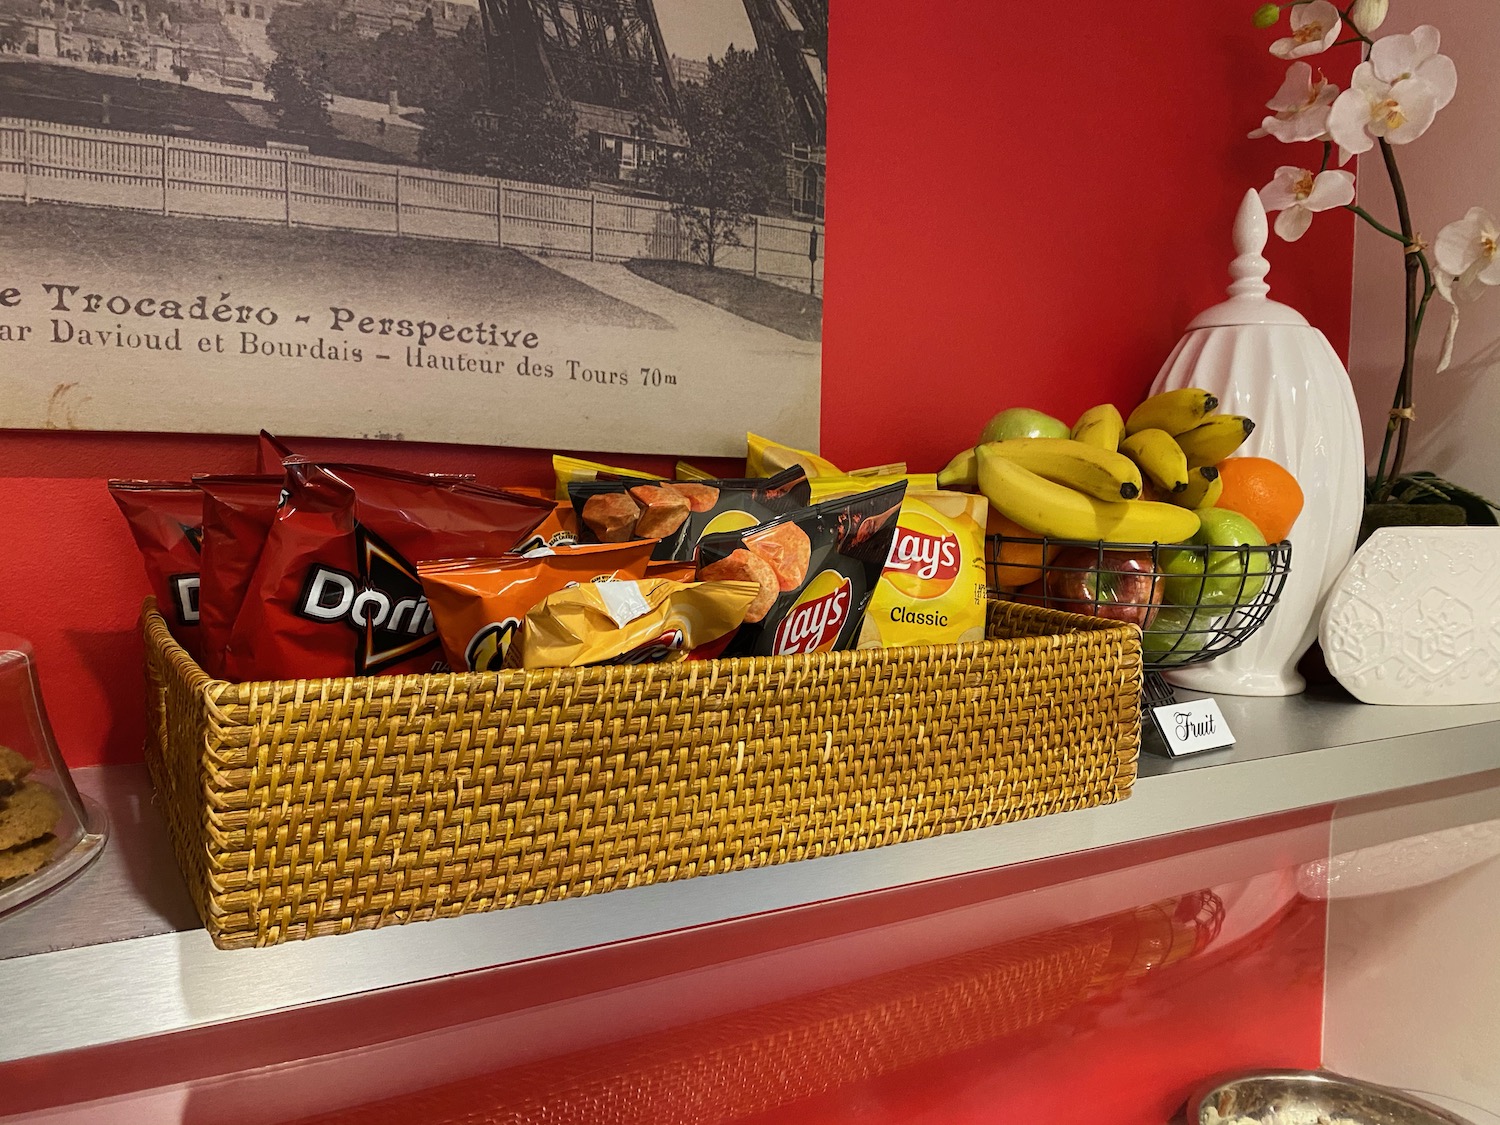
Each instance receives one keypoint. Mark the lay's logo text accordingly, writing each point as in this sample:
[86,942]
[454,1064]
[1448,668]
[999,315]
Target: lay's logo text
[814,622]
[926,556]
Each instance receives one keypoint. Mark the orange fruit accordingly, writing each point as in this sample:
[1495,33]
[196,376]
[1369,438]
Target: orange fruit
[1013,564]
[1263,492]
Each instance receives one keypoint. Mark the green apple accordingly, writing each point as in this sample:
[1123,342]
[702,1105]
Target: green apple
[1020,422]
[1177,633]
[1224,576]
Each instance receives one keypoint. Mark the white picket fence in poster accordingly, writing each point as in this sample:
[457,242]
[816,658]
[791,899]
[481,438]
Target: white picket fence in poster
[43,162]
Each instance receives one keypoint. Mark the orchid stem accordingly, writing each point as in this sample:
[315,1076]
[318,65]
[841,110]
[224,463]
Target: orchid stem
[1381,227]
[1400,420]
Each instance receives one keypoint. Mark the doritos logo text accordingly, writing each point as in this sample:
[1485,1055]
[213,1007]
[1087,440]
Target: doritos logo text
[383,604]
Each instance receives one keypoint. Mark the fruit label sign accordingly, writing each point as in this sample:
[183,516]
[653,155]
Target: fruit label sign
[1192,726]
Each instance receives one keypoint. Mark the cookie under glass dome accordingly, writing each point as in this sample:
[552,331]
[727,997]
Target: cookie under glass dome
[48,833]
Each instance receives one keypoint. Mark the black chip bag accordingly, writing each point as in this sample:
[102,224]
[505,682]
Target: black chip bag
[677,514]
[816,567]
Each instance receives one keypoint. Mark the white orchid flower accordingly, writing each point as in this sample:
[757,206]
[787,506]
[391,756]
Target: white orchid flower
[1301,107]
[1468,258]
[1367,15]
[1372,108]
[1399,57]
[1315,27]
[1469,252]
[1298,192]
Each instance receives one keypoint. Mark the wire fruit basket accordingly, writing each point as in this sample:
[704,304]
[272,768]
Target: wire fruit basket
[1192,603]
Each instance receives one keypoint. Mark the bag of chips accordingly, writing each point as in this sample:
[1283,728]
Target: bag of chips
[826,488]
[678,513]
[763,457]
[932,591]
[336,591]
[573,470]
[166,521]
[237,516]
[480,605]
[815,570]
[648,622]
[270,452]
[685,470]
[559,529]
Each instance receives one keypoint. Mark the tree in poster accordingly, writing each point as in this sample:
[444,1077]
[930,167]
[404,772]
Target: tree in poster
[733,165]
[501,131]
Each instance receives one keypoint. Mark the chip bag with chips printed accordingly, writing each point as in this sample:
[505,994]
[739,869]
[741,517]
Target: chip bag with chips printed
[649,622]
[166,521]
[574,470]
[932,591]
[336,591]
[814,570]
[480,605]
[676,514]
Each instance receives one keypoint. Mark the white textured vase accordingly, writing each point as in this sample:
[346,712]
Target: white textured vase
[1415,618]
[1262,359]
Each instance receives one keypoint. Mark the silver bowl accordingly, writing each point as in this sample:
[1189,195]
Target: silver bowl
[1310,1097]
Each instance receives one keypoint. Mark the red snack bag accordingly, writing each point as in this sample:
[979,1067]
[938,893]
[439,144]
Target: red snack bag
[237,516]
[166,519]
[270,452]
[336,591]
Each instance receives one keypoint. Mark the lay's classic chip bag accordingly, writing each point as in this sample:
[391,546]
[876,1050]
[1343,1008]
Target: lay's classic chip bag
[815,570]
[336,591]
[932,591]
[166,520]
[481,604]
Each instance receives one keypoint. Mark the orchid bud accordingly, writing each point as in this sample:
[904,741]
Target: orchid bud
[1267,15]
[1367,15]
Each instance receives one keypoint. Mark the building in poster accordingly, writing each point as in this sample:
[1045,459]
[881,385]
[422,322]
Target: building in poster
[495,222]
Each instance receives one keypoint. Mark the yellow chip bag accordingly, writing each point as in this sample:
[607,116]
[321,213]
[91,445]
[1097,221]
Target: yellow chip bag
[686,470]
[826,488]
[766,458]
[645,622]
[570,470]
[932,591]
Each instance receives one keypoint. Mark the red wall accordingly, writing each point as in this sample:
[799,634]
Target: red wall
[1027,205]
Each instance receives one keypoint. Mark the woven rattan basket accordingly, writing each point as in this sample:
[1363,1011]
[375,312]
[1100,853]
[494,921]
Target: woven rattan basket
[307,807]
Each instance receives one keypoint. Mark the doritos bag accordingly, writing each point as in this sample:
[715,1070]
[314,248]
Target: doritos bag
[678,513]
[237,516]
[480,604]
[166,520]
[816,570]
[933,588]
[270,452]
[336,591]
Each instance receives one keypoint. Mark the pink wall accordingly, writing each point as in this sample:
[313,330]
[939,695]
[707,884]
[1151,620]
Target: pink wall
[1026,208]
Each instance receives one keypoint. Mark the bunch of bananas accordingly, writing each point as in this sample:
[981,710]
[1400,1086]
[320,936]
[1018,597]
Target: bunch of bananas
[1120,480]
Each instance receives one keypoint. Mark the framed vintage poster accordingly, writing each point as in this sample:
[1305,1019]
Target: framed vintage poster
[585,224]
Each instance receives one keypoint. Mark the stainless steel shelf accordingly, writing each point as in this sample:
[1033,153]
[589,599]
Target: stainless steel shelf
[118,954]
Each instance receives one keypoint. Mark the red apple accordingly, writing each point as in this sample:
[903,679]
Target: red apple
[1116,584]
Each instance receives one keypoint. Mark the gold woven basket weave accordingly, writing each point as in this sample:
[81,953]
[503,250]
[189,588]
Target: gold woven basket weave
[306,807]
